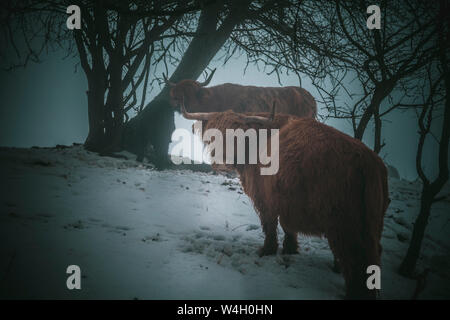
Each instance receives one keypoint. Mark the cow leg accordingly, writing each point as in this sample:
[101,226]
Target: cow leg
[354,257]
[336,268]
[271,241]
[356,277]
[290,244]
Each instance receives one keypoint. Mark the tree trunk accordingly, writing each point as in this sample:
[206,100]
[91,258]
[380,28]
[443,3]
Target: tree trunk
[362,125]
[409,263]
[377,145]
[96,137]
[382,90]
[431,190]
[155,124]
[114,108]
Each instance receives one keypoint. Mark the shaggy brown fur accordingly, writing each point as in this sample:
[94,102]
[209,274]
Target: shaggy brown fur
[290,100]
[328,184]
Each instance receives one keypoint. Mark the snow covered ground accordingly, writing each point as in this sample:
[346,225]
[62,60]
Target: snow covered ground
[137,233]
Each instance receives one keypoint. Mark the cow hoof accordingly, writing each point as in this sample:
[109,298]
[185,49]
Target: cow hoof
[264,251]
[336,267]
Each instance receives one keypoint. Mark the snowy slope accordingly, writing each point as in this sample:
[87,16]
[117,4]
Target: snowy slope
[176,234]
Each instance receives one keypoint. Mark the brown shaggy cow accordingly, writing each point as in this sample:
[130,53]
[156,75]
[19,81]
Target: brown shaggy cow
[290,100]
[328,184]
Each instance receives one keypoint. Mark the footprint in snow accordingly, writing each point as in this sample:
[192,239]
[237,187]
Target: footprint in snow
[154,238]
[123,228]
[75,225]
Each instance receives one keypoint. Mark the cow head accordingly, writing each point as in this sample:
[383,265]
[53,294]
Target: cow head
[222,121]
[190,91]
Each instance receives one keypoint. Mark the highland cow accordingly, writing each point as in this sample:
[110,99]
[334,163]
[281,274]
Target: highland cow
[328,184]
[290,100]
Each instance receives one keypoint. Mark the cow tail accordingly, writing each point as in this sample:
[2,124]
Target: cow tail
[376,201]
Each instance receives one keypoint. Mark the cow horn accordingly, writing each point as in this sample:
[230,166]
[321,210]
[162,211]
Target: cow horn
[170,84]
[263,120]
[272,114]
[204,116]
[207,81]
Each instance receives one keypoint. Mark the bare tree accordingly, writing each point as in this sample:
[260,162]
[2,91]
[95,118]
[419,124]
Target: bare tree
[438,78]
[329,42]
[115,48]
[119,42]
[389,55]
[154,125]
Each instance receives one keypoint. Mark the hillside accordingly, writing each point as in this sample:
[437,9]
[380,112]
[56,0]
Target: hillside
[137,233]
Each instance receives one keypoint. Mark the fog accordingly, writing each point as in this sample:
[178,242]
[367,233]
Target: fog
[45,104]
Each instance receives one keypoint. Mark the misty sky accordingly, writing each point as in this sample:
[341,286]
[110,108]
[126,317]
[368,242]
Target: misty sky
[46,104]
